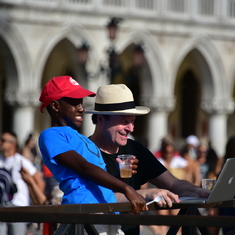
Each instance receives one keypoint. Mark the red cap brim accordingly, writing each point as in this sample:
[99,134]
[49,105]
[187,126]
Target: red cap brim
[75,94]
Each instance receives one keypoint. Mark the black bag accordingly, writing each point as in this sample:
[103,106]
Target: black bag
[7,187]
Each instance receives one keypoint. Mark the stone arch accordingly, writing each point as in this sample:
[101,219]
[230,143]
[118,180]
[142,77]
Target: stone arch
[17,62]
[73,32]
[152,86]
[16,83]
[231,90]
[155,86]
[209,69]
[231,79]
[216,82]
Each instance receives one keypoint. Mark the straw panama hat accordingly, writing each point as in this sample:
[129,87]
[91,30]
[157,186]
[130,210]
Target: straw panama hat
[116,99]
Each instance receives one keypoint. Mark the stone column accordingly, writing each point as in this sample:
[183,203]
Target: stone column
[157,118]
[157,128]
[218,111]
[23,104]
[87,125]
[23,122]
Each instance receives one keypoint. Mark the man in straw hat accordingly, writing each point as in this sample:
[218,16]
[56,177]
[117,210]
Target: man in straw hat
[74,159]
[114,115]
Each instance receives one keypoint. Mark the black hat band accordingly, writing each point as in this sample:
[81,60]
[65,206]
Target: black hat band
[115,107]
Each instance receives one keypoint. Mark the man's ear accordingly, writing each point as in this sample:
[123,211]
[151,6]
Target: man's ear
[55,105]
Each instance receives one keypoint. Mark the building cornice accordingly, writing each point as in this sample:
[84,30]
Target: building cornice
[49,13]
[215,106]
[159,104]
[16,97]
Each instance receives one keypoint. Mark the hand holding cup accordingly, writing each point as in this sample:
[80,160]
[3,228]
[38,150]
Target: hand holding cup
[124,161]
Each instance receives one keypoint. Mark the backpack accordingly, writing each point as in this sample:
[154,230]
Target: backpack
[7,187]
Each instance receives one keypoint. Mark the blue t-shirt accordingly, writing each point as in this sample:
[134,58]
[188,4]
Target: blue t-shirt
[77,189]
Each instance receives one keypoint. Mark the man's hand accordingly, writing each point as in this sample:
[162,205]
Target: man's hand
[137,201]
[134,164]
[149,194]
[167,197]
[26,176]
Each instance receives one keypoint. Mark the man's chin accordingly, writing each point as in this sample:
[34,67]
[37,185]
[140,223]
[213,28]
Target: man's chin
[122,143]
[76,127]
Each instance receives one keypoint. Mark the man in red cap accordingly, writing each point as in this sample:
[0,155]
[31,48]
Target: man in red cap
[75,161]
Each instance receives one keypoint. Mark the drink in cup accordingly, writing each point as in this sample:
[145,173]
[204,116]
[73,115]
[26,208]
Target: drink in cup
[208,183]
[124,165]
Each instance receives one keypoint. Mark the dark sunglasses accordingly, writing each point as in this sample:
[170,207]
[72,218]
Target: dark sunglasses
[4,140]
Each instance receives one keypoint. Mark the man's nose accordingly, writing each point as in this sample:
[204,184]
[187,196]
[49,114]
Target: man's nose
[130,127]
[80,108]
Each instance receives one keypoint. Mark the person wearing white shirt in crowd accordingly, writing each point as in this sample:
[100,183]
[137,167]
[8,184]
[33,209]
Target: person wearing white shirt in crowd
[193,142]
[11,160]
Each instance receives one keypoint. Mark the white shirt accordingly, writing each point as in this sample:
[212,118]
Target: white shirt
[14,163]
[176,162]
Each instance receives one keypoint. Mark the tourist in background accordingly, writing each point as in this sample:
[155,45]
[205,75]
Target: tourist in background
[13,161]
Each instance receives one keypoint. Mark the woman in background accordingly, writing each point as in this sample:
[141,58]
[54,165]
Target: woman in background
[193,170]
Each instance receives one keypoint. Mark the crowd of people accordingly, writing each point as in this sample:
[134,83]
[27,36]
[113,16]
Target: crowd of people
[193,161]
[24,164]
[84,169]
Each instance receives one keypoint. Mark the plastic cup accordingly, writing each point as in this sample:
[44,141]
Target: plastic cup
[208,183]
[124,165]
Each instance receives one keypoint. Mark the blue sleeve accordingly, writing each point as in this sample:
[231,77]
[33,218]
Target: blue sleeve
[53,143]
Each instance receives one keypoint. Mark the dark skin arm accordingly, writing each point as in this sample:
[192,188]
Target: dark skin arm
[76,162]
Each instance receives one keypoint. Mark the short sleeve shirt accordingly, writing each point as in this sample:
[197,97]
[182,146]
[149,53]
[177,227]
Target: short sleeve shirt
[76,188]
[14,164]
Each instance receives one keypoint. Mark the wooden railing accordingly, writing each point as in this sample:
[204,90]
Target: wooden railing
[84,214]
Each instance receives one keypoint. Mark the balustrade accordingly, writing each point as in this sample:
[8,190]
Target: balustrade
[202,9]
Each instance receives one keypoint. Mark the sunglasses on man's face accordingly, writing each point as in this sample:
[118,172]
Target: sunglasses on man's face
[5,140]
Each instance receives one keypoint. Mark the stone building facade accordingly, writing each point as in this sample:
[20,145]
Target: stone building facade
[187,78]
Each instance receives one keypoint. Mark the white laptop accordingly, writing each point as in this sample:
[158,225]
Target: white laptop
[224,188]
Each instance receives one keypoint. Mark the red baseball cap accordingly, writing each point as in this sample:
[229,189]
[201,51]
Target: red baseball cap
[63,86]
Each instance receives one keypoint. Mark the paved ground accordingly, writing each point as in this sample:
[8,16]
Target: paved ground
[147,231]
[34,231]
